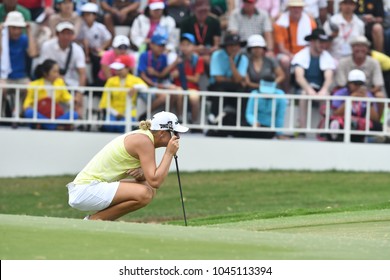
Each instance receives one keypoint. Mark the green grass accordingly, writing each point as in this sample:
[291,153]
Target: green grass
[217,197]
[232,215]
[358,235]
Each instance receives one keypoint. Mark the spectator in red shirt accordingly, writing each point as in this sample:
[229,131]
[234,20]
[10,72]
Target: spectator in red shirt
[187,74]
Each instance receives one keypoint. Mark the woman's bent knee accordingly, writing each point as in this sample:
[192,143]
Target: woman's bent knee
[145,196]
[139,199]
[131,191]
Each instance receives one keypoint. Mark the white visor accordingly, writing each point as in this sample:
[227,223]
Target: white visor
[167,121]
[117,66]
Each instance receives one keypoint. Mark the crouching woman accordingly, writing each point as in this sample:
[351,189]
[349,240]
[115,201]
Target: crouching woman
[123,176]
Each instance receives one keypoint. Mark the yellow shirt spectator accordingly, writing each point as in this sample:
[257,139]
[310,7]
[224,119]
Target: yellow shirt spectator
[60,95]
[116,100]
[384,60]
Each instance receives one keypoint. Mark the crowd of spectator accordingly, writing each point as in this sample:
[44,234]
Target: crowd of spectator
[307,47]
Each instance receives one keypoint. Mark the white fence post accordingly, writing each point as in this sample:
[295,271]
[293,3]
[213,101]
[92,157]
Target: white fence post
[347,120]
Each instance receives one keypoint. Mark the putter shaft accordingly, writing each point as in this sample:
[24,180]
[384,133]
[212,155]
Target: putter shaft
[181,192]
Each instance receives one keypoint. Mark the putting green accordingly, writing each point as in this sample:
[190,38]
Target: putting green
[349,235]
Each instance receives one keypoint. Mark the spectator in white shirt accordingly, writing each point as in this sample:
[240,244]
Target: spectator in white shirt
[343,27]
[94,37]
[63,49]
[145,24]
[248,20]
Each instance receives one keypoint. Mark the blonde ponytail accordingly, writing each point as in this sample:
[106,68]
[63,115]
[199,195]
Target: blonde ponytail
[145,125]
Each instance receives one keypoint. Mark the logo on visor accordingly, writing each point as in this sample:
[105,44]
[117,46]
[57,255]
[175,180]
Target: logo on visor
[168,125]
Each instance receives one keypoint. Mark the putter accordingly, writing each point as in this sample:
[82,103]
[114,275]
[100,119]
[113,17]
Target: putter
[178,179]
[181,192]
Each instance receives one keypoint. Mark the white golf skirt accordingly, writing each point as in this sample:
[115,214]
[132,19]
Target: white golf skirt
[95,196]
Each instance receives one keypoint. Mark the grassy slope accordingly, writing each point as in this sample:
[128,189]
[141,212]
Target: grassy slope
[356,235]
[249,215]
[217,197]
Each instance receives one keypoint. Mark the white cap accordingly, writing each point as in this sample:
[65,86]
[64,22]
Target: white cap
[90,8]
[256,40]
[16,19]
[167,121]
[117,66]
[120,40]
[64,25]
[356,75]
[157,6]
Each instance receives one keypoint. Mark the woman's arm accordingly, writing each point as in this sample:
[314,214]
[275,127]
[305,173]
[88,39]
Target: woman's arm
[249,83]
[139,146]
[279,75]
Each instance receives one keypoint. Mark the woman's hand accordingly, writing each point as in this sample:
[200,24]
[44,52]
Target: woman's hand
[137,173]
[173,145]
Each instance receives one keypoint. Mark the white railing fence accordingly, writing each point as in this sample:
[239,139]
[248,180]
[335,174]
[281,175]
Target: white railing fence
[91,99]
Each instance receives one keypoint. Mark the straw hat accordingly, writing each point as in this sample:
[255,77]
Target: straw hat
[360,40]
[296,3]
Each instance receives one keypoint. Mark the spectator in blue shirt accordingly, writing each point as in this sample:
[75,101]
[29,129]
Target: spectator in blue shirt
[228,64]
[19,44]
[265,115]
[14,47]
[153,67]
[228,68]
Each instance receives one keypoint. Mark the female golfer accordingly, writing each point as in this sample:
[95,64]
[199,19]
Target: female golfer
[102,185]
